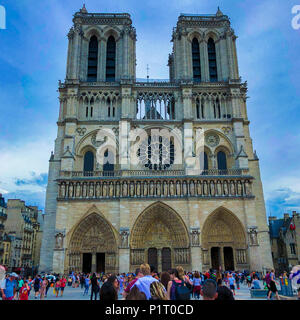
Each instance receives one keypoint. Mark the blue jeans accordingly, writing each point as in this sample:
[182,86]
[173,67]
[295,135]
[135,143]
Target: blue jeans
[86,290]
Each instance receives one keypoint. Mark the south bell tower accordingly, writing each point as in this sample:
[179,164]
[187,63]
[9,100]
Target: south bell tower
[114,216]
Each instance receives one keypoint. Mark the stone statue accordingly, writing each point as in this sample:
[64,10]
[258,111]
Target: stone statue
[98,190]
[71,190]
[151,193]
[59,241]
[91,190]
[240,189]
[78,190]
[104,189]
[172,190]
[84,190]
[192,188]
[111,189]
[131,189]
[232,188]
[225,186]
[178,191]
[212,188]
[63,190]
[165,188]
[248,188]
[117,190]
[124,238]
[205,188]
[253,236]
[195,237]
[158,189]
[125,189]
[184,188]
[199,188]
[138,189]
[219,188]
[145,188]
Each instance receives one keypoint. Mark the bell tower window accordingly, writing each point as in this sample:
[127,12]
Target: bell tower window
[111,60]
[212,60]
[196,60]
[93,60]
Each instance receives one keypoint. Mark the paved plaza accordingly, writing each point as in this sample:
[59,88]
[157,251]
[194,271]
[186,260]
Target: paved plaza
[77,294]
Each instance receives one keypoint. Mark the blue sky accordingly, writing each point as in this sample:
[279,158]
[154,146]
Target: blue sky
[33,52]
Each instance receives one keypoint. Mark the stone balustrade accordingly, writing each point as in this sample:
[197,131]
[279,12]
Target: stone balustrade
[155,187]
[147,173]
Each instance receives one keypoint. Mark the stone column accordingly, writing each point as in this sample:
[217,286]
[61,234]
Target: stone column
[94,261]
[124,250]
[230,55]
[218,57]
[125,41]
[222,258]
[102,62]
[123,145]
[75,60]
[188,147]
[48,241]
[204,61]
[159,260]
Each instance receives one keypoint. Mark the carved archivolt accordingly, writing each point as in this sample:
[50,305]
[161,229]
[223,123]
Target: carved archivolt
[159,226]
[93,234]
[223,228]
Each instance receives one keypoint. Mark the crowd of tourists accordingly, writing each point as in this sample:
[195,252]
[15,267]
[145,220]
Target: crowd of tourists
[144,284]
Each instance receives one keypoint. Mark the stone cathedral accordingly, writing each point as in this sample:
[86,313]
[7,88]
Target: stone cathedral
[113,215]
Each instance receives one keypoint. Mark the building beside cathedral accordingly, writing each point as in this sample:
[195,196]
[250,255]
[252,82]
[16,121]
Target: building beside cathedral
[285,241]
[107,212]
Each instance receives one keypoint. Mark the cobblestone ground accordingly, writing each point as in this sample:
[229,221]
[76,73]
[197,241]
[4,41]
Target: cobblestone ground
[77,294]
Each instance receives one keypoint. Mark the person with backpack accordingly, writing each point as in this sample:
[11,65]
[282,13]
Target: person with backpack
[24,291]
[145,281]
[178,288]
[36,286]
[197,285]
[95,286]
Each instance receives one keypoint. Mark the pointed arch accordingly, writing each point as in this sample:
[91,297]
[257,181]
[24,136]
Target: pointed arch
[111,59]
[91,235]
[93,59]
[155,217]
[223,226]
[212,60]
[196,60]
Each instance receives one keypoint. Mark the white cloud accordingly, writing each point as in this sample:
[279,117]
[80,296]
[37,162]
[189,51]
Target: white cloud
[24,161]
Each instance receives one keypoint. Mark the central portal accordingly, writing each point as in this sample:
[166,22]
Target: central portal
[159,236]
[87,263]
[215,258]
[100,262]
[152,258]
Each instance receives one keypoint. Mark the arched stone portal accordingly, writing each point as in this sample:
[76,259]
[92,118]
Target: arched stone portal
[160,238]
[224,242]
[93,246]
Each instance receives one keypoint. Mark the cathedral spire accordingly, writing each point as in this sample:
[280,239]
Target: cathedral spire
[83,10]
[219,13]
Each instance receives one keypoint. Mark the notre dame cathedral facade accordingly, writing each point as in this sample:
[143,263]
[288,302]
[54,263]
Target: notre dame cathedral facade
[115,214]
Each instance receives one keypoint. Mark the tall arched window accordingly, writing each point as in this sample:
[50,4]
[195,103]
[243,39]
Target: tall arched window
[217,109]
[212,60]
[200,109]
[222,162]
[88,166]
[196,60]
[108,166]
[93,59]
[203,161]
[111,59]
